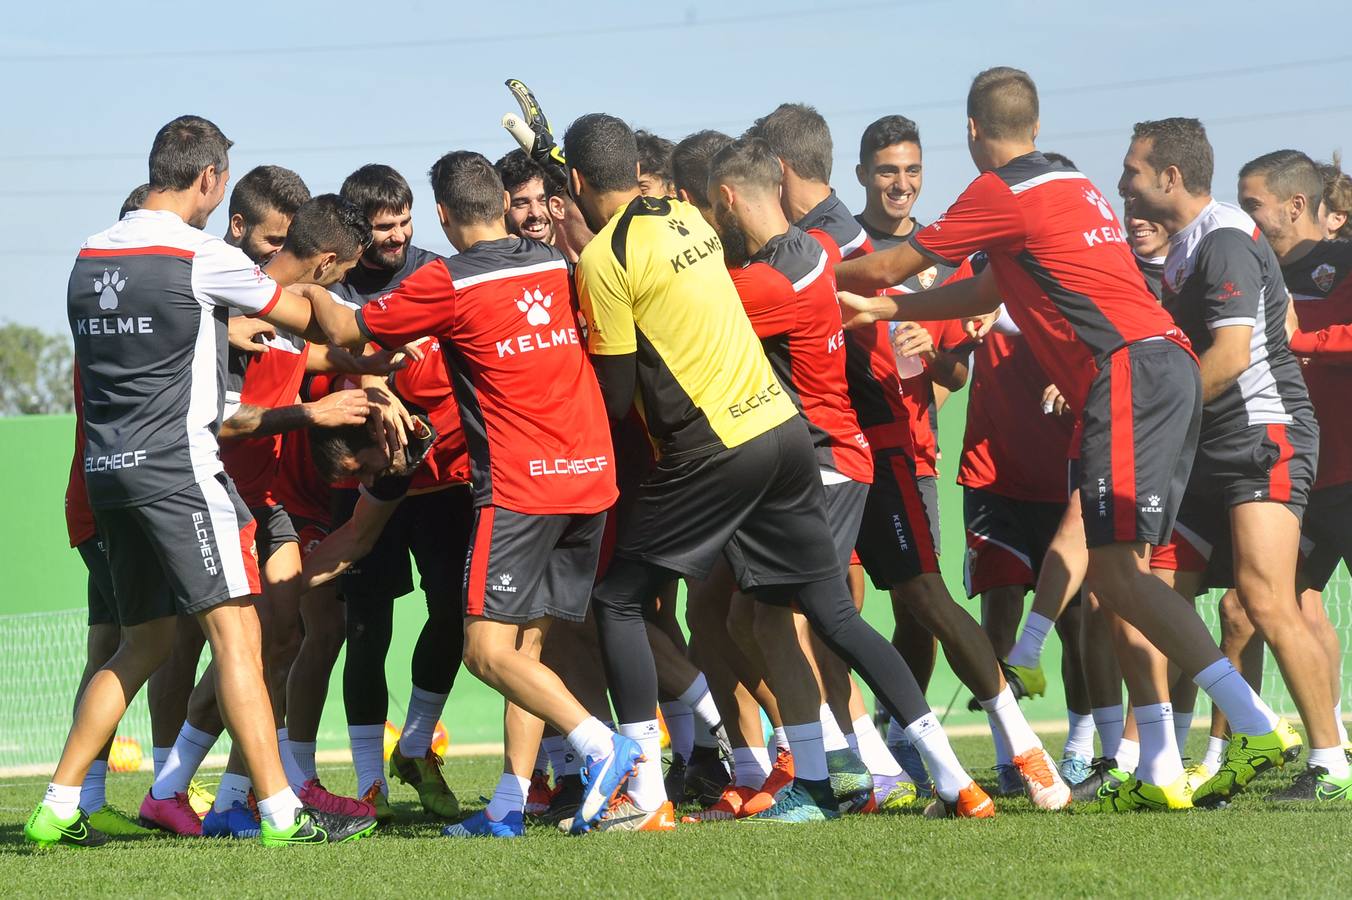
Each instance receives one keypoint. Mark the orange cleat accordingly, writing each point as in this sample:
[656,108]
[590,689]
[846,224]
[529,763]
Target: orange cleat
[539,795]
[732,805]
[1040,778]
[972,803]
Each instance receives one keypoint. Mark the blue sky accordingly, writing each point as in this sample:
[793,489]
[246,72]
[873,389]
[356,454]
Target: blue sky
[325,87]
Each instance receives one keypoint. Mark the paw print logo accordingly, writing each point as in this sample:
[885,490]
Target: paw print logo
[505,579]
[108,287]
[678,226]
[1153,499]
[536,307]
[1097,199]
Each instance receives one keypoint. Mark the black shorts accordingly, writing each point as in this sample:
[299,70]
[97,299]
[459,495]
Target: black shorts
[899,535]
[844,511]
[275,528]
[102,603]
[1326,534]
[1260,463]
[184,553]
[1141,424]
[435,528]
[760,504]
[1006,539]
[524,567]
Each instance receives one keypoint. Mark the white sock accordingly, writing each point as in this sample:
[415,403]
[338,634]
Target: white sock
[185,757]
[63,800]
[1338,718]
[295,775]
[1007,721]
[927,735]
[701,703]
[750,766]
[680,727]
[809,749]
[1247,712]
[645,787]
[368,756]
[1128,754]
[873,750]
[92,792]
[1027,650]
[591,738]
[424,709]
[280,809]
[1182,727]
[232,789]
[1159,762]
[158,755]
[1331,758]
[832,737]
[782,739]
[1109,722]
[509,797]
[1215,752]
[556,748]
[304,754]
[1080,740]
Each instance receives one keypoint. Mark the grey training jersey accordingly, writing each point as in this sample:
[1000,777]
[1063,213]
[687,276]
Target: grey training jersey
[147,302]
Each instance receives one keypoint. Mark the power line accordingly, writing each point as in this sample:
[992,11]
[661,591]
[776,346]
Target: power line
[691,19]
[682,128]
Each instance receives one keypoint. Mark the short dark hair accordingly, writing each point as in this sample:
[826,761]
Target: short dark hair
[1338,192]
[376,189]
[690,163]
[265,189]
[328,223]
[1182,143]
[603,150]
[1287,173]
[748,161]
[1059,158]
[135,200]
[517,169]
[467,185]
[332,448]
[799,136]
[654,154]
[183,149]
[1003,103]
[886,132]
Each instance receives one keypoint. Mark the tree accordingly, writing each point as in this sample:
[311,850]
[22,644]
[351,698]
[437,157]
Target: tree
[35,371]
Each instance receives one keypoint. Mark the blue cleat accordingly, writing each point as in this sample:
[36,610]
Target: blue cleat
[603,778]
[1075,769]
[479,825]
[800,804]
[239,821]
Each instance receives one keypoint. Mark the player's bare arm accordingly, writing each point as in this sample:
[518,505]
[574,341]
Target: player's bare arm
[1225,360]
[875,271]
[349,542]
[330,411]
[961,299]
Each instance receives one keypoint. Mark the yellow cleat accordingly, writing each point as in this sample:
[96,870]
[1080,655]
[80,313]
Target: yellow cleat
[200,797]
[1134,795]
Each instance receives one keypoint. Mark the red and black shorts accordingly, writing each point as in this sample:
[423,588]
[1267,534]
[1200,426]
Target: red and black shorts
[899,534]
[1142,419]
[1326,534]
[183,553]
[522,567]
[1006,539]
[310,533]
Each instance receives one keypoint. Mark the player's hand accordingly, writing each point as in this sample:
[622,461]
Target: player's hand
[531,129]
[381,362]
[1053,401]
[913,339]
[413,349]
[392,421]
[859,312]
[248,334]
[339,409]
[977,327]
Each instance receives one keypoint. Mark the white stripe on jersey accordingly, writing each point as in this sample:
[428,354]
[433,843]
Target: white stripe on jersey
[225,525]
[1257,385]
[498,274]
[1043,179]
[854,244]
[204,400]
[811,276]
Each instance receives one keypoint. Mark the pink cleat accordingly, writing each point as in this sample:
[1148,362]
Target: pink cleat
[174,815]
[315,795]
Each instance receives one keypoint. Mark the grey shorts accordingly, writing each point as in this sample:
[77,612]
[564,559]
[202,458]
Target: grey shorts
[184,553]
[275,528]
[844,511]
[522,567]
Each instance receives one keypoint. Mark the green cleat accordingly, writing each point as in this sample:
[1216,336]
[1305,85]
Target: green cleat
[851,781]
[800,804]
[46,830]
[315,827]
[1103,775]
[375,795]
[116,823]
[1134,795]
[1246,757]
[1315,783]
[1292,743]
[424,776]
[900,794]
[1025,681]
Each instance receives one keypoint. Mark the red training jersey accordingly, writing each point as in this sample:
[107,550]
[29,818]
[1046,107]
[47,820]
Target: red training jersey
[530,405]
[271,380]
[426,383]
[1062,263]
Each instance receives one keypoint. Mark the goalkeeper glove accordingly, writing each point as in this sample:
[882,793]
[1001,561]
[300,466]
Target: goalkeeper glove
[531,128]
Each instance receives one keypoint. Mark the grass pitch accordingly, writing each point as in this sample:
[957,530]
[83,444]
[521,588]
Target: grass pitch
[1248,849]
